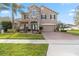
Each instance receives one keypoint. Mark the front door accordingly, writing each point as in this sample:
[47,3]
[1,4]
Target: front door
[34,26]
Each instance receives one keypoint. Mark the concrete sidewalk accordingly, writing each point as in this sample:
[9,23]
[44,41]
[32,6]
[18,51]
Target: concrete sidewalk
[63,50]
[23,41]
[54,42]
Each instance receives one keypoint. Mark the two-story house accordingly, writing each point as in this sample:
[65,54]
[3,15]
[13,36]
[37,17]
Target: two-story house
[38,16]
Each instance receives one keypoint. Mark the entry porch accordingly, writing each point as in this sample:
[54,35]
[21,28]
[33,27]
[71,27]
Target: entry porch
[27,26]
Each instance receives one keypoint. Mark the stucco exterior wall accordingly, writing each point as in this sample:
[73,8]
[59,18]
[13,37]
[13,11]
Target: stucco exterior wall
[46,23]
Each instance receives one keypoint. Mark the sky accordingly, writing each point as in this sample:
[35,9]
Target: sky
[65,11]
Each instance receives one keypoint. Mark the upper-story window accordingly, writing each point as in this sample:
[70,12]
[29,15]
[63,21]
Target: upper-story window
[54,16]
[33,12]
[43,17]
[50,16]
[24,16]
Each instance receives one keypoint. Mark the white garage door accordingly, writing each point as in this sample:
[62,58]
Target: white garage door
[48,28]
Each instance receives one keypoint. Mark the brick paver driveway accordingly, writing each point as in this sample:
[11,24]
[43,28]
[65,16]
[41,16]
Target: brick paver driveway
[59,35]
[62,44]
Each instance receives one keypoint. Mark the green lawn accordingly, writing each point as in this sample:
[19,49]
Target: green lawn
[9,49]
[74,32]
[21,36]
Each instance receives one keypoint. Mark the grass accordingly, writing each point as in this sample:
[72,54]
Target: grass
[74,32]
[9,49]
[21,36]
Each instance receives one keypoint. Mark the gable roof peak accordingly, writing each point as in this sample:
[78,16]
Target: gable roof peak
[49,9]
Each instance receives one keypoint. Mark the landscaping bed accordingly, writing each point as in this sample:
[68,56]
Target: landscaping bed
[8,49]
[74,32]
[21,36]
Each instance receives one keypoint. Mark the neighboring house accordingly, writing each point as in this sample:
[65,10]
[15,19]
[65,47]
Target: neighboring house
[75,27]
[5,19]
[71,27]
[38,16]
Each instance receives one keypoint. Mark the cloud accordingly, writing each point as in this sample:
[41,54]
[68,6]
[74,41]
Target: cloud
[5,13]
[72,10]
[71,14]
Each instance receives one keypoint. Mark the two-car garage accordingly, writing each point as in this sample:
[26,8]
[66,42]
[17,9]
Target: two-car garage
[48,27]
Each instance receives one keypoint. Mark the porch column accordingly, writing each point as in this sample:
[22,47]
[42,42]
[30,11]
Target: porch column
[38,25]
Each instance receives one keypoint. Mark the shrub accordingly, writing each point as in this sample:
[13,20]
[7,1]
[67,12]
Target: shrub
[29,29]
[40,28]
[63,30]
[6,25]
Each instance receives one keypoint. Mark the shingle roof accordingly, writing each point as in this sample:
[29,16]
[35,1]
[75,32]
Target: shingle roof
[49,9]
[40,8]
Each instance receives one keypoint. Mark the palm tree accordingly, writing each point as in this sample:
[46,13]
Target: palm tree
[14,9]
[3,6]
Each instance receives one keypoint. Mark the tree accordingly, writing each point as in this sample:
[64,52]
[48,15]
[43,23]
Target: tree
[3,6]
[61,25]
[14,8]
[6,25]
